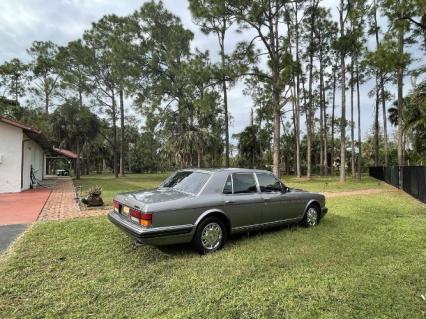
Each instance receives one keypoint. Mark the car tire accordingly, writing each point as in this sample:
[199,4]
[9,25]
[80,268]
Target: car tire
[210,235]
[312,216]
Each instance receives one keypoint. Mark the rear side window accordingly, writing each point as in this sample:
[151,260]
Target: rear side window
[268,183]
[244,183]
[227,189]
[187,181]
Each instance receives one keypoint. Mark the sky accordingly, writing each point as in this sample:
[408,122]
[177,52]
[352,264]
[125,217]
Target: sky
[61,21]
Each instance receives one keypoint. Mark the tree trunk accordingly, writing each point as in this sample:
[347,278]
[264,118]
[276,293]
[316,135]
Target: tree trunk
[359,122]
[46,105]
[225,99]
[400,78]
[385,129]
[321,91]
[199,159]
[376,126]
[16,91]
[122,144]
[310,105]
[276,156]
[333,107]
[343,92]
[352,120]
[77,161]
[324,109]
[114,132]
[297,104]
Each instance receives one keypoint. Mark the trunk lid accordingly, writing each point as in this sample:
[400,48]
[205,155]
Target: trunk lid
[141,199]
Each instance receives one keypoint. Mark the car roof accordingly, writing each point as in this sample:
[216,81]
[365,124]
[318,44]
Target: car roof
[227,169]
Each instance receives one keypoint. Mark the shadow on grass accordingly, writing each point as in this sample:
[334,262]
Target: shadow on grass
[235,239]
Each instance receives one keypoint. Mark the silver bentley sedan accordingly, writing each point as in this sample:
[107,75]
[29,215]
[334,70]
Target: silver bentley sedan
[205,206]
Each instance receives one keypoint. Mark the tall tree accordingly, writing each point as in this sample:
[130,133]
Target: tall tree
[103,77]
[73,126]
[73,61]
[14,75]
[213,17]
[342,50]
[396,11]
[44,68]
[266,19]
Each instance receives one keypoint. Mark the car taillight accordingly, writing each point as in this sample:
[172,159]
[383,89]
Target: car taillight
[116,206]
[141,218]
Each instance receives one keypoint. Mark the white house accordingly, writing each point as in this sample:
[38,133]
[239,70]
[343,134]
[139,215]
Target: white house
[22,151]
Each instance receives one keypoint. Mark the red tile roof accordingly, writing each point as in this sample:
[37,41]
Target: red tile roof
[19,124]
[38,136]
[67,153]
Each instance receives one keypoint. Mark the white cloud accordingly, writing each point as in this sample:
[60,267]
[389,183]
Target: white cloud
[61,21]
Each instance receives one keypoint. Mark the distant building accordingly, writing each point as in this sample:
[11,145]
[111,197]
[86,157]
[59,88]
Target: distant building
[23,153]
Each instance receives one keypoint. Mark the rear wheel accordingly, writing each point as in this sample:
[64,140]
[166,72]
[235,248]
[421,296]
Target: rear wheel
[210,235]
[311,217]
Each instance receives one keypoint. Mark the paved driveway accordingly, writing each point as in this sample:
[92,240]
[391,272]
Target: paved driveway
[17,210]
[8,233]
[23,207]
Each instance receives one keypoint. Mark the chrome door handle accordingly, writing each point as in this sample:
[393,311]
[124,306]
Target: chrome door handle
[229,201]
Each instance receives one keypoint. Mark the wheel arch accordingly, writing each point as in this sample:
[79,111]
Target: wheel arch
[313,202]
[215,212]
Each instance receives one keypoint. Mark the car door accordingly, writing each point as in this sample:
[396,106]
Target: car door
[242,201]
[278,204]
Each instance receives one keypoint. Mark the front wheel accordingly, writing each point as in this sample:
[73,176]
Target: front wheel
[210,235]
[311,217]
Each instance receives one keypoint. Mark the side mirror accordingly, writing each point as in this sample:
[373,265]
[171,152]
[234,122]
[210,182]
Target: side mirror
[285,189]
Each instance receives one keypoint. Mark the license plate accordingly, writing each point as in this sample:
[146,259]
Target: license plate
[126,210]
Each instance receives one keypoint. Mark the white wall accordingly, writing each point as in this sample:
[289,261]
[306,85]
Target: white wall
[10,153]
[33,155]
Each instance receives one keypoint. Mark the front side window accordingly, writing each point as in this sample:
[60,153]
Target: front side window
[187,181]
[268,183]
[244,183]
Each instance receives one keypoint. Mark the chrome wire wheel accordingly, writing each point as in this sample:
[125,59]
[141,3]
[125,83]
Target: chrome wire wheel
[211,236]
[311,217]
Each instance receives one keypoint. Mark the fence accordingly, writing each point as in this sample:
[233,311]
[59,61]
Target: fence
[411,179]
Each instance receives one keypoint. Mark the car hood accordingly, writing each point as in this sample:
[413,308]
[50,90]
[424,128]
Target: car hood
[142,198]
[297,190]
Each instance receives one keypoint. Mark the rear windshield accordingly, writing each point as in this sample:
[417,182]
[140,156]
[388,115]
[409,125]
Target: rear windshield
[187,181]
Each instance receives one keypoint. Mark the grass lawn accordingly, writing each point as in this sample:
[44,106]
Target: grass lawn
[365,260]
[130,182]
[112,186]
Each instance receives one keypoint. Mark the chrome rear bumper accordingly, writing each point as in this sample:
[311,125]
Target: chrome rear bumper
[155,236]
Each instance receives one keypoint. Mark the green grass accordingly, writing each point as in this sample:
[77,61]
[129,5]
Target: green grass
[131,182]
[365,260]
[332,183]
[111,186]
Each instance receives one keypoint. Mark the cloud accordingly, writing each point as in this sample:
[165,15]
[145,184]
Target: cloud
[23,21]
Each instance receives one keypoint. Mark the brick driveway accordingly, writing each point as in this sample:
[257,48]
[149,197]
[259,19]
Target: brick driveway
[62,204]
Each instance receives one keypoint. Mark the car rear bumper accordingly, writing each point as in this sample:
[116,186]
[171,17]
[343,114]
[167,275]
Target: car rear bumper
[153,236]
[324,211]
